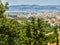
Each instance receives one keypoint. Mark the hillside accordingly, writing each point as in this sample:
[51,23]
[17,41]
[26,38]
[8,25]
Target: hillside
[34,7]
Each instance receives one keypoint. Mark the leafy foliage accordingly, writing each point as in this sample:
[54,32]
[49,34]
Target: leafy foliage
[3,8]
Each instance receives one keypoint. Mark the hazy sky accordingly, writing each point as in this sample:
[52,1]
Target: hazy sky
[33,2]
[4,1]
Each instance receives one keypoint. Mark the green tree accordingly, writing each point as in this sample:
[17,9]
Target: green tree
[35,32]
[3,8]
[9,30]
[56,33]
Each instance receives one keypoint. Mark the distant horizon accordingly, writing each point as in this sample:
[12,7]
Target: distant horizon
[34,2]
[30,4]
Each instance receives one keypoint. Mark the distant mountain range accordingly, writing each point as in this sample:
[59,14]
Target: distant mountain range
[34,7]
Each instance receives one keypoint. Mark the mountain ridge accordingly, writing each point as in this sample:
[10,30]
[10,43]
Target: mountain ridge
[34,7]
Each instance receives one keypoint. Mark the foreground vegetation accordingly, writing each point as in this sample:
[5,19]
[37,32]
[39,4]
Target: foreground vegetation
[31,31]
